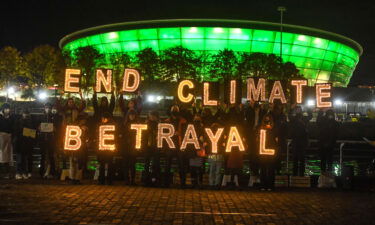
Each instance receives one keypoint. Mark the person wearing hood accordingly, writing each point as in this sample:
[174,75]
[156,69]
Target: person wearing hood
[328,128]
[104,106]
[6,130]
[24,144]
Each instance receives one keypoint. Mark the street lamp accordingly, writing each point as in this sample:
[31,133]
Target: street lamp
[281,9]
[55,87]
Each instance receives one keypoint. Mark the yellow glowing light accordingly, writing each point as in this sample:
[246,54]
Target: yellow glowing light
[234,140]
[138,138]
[232,94]
[72,133]
[126,82]
[180,91]
[299,94]
[104,136]
[106,80]
[214,138]
[193,30]
[320,95]
[254,93]
[69,79]
[206,95]
[190,138]
[167,136]
[277,92]
[262,145]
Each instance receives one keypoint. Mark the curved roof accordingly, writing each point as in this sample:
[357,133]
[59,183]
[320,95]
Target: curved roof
[214,23]
[321,56]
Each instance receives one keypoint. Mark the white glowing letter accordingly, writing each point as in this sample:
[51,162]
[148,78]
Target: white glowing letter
[320,95]
[190,138]
[138,136]
[106,80]
[165,135]
[104,136]
[206,95]
[299,94]
[253,93]
[69,79]
[277,92]
[126,83]
[180,91]
[72,133]
[232,95]
[234,139]
[262,145]
[214,138]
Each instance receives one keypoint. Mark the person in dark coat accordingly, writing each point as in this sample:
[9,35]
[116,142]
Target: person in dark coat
[103,107]
[24,144]
[253,117]
[128,151]
[298,126]
[48,139]
[267,162]
[328,128]
[105,157]
[179,123]
[280,131]
[152,154]
[7,120]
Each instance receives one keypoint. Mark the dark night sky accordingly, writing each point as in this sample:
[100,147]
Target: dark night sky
[25,24]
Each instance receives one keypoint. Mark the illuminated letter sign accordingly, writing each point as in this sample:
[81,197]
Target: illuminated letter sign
[138,137]
[104,136]
[180,91]
[320,95]
[72,134]
[253,93]
[106,80]
[165,135]
[234,139]
[299,94]
[190,138]
[262,144]
[232,93]
[277,92]
[214,138]
[70,79]
[126,87]
[206,95]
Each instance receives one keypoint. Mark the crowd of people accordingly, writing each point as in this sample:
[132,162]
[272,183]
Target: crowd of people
[23,132]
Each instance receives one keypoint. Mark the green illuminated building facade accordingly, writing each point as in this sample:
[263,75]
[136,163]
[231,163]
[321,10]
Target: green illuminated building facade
[320,56]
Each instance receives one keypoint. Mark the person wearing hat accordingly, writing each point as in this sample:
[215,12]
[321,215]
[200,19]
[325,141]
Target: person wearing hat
[6,130]
[24,135]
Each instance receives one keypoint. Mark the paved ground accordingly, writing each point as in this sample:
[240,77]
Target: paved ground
[53,202]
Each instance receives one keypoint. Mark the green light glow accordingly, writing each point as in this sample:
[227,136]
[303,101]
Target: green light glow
[319,60]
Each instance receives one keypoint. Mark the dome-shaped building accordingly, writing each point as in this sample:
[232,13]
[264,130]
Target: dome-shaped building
[321,56]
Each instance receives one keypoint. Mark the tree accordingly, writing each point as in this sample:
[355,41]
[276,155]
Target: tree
[45,66]
[224,65]
[119,63]
[180,63]
[11,65]
[148,63]
[88,59]
[290,71]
